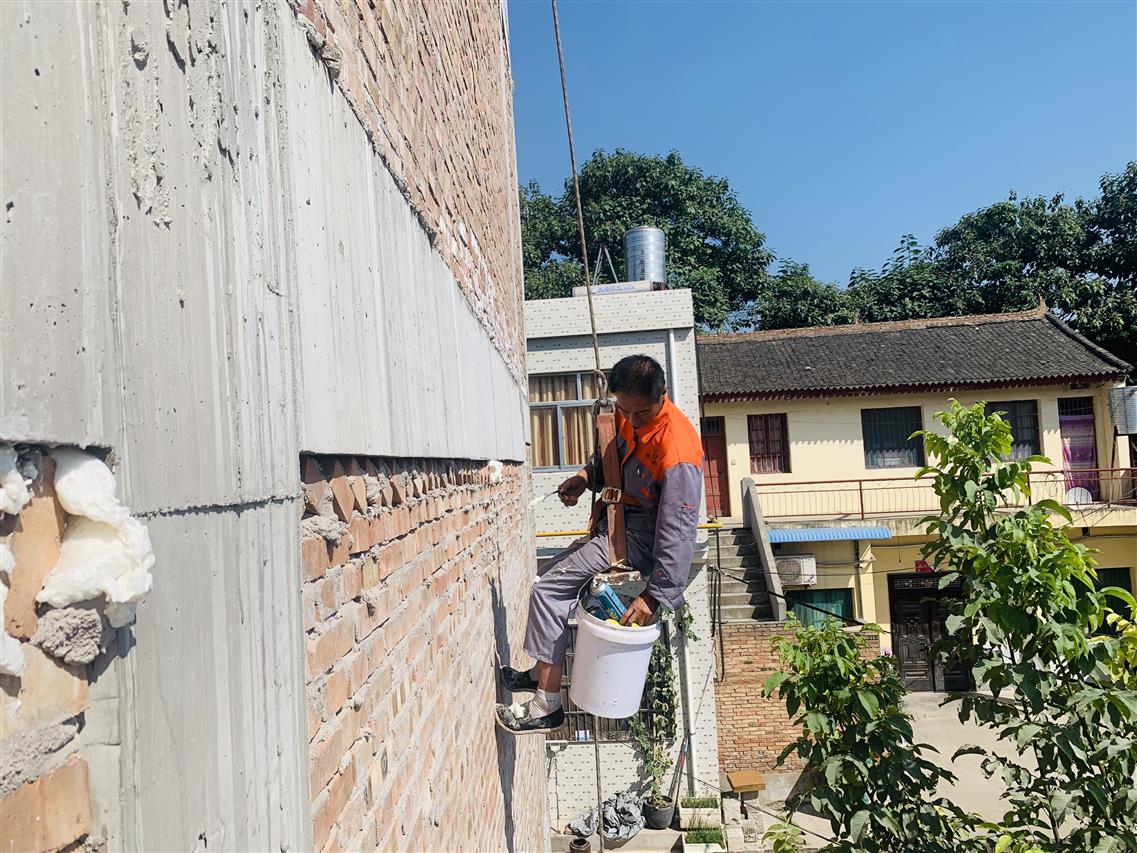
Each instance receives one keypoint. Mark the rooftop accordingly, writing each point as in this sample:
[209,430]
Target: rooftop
[938,354]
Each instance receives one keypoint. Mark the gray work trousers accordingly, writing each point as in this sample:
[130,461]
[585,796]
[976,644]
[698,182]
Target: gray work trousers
[557,590]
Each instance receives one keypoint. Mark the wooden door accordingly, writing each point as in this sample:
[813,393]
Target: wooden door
[912,641]
[715,475]
[919,609]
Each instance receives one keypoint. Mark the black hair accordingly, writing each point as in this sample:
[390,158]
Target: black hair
[640,375]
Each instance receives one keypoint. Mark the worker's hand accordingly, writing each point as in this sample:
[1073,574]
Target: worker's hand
[640,611]
[571,489]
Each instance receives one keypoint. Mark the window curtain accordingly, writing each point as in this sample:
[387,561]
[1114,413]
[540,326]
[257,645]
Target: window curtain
[1079,453]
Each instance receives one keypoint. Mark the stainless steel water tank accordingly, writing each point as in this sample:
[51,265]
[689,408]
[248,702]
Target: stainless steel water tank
[644,254]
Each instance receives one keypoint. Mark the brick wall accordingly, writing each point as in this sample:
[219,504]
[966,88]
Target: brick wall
[431,85]
[417,573]
[46,803]
[753,730]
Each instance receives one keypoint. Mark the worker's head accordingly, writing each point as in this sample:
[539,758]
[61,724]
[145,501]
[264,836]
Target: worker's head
[638,383]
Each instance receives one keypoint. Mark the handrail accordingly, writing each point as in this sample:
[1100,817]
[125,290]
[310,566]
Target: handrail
[714,525]
[864,497]
[752,516]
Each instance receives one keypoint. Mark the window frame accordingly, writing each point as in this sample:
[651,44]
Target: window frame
[558,419]
[914,444]
[784,456]
[1014,419]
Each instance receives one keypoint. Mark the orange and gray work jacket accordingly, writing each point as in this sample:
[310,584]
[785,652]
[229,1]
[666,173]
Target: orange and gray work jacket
[662,467]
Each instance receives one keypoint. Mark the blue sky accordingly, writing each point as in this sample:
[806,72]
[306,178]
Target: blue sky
[842,126]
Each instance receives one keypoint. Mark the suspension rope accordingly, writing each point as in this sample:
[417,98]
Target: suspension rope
[601,379]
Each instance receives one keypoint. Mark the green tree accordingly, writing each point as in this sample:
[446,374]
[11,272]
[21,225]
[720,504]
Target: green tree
[909,285]
[1023,625]
[794,299]
[1103,305]
[713,247]
[548,274]
[872,781]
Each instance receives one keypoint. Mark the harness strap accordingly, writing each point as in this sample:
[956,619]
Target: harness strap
[613,496]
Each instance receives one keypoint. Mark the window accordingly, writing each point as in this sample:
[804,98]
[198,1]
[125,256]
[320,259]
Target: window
[837,601]
[769,444]
[1076,406]
[1115,577]
[1022,415]
[886,434]
[560,419]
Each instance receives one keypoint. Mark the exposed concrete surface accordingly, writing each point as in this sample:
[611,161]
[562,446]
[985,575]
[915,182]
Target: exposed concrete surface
[218,681]
[941,728]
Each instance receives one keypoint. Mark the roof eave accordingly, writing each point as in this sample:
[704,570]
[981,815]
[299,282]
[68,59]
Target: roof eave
[894,390]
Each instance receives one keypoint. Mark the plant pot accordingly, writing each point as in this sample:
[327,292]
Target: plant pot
[705,816]
[658,817]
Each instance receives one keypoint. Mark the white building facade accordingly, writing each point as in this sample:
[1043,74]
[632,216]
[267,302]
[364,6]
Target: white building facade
[560,365]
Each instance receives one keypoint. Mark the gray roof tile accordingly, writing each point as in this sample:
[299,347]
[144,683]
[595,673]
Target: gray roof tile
[1024,348]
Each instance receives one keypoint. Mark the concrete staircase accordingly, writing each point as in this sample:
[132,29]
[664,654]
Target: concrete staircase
[744,599]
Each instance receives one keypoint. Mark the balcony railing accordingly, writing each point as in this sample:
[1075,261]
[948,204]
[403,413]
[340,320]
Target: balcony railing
[898,496]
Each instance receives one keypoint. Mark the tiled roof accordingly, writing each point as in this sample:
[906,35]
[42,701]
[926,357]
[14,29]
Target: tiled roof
[991,350]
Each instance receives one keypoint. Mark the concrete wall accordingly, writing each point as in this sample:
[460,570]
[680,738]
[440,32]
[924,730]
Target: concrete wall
[659,324]
[210,264]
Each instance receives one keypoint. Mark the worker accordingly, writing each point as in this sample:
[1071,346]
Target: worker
[662,468]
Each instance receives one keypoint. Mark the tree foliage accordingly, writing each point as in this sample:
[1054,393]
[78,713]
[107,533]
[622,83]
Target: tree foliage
[1080,258]
[1059,693]
[794,299]
[712,245]
[873,782]
[1029,607]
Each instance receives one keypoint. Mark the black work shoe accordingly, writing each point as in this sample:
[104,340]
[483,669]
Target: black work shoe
[516,680]
[516,720]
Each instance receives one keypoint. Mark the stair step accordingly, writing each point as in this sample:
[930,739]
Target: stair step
[738,562]
[734,588]
[744,613]
[754,599]
[732,550]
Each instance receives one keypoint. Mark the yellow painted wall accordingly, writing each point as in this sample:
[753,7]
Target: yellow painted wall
[837,568]
[826,444]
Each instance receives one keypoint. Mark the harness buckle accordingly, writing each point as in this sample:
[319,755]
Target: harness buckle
[611,495]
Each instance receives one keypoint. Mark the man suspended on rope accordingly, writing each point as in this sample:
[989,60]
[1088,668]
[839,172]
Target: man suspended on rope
[661,461]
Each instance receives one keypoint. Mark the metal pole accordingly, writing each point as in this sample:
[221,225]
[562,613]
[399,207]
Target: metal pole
[599,789]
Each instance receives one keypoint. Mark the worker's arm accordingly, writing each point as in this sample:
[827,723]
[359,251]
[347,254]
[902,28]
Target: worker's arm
[677,521]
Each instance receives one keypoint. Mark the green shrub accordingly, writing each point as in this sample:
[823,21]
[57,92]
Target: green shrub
[704,835]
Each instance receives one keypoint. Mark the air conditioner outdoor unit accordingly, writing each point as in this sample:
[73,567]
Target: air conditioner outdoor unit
[799,570]
[1123,409]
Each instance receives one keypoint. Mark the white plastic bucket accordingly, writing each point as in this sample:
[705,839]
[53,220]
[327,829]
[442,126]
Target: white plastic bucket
[609,666]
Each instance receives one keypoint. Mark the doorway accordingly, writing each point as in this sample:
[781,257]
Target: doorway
[715,475]
[918,609]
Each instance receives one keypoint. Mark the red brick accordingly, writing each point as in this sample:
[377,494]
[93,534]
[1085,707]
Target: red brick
[35,545]
[360,532]
[330,644]
[352,580]
[48,814]
[342,498]
[314,555]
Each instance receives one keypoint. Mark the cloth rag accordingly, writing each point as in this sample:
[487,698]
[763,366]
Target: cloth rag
[623,818]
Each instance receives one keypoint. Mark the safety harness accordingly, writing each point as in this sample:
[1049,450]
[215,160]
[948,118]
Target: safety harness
[612,498]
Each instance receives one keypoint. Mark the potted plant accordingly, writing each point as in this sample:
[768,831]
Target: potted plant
[655,745]
[699,812]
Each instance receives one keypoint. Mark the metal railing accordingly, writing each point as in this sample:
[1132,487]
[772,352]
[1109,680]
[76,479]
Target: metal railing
[877,497]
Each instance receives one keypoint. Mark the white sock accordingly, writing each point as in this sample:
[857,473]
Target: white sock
[544,703]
